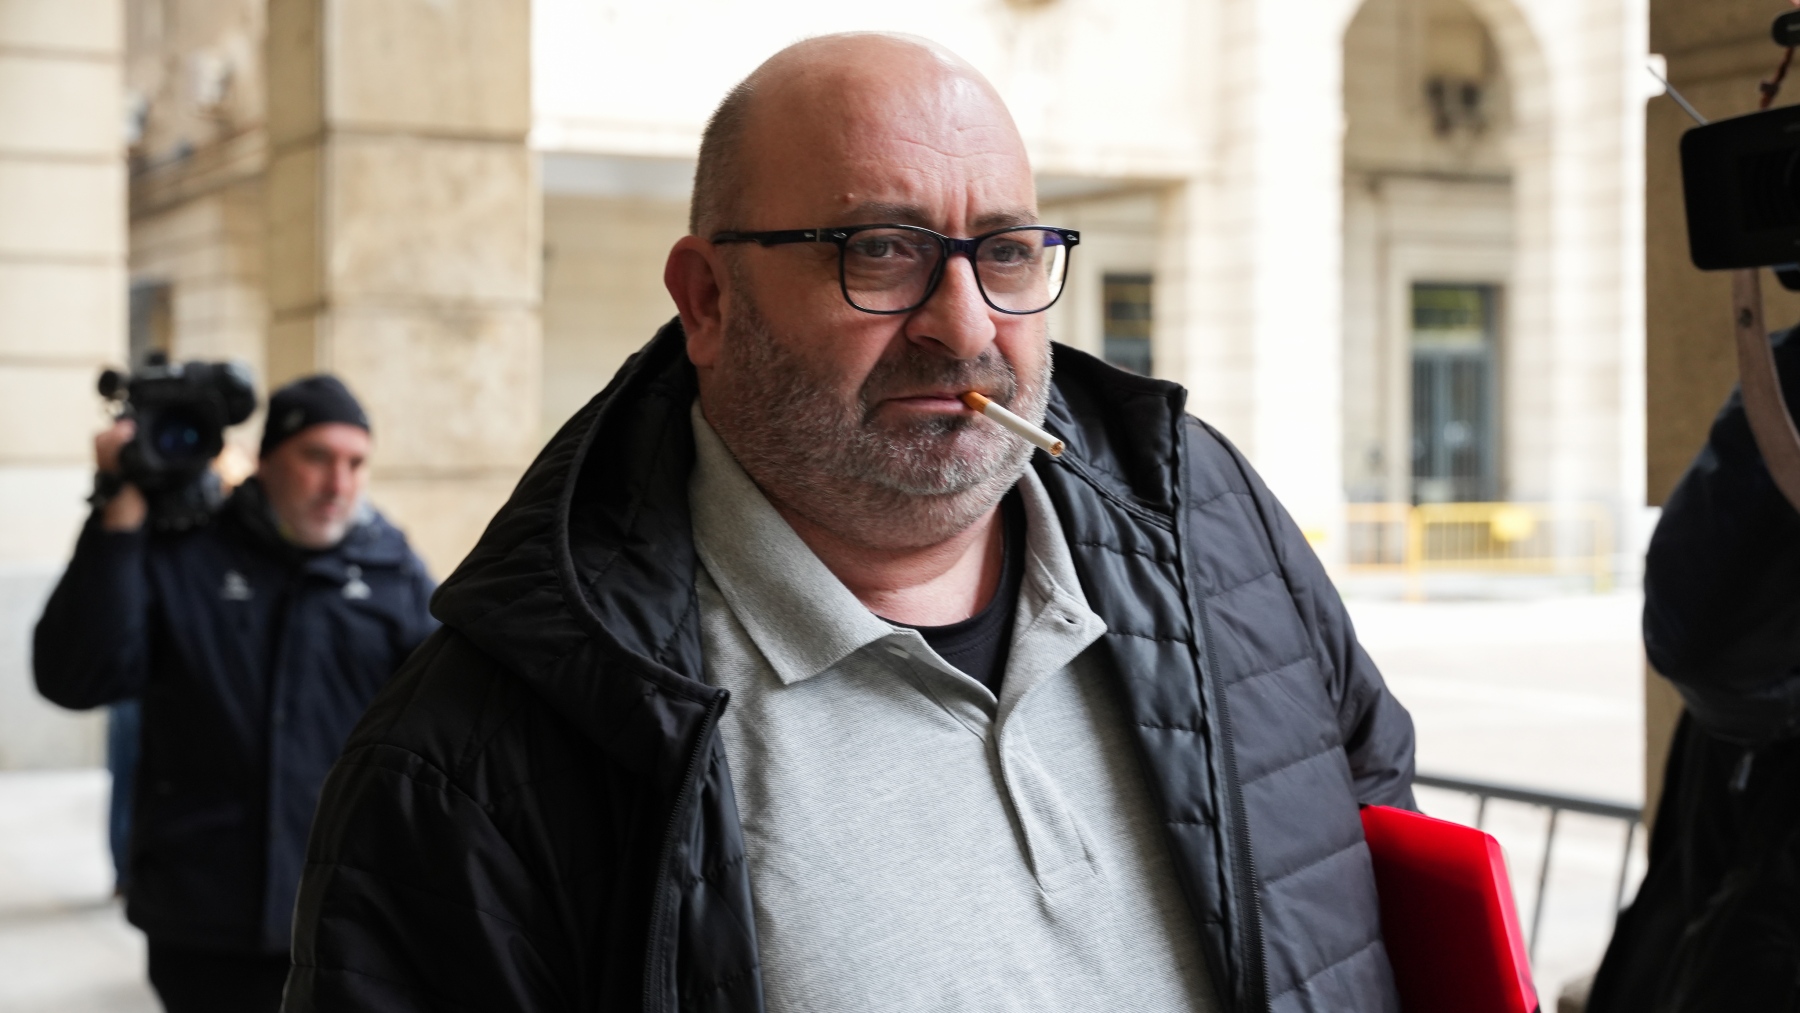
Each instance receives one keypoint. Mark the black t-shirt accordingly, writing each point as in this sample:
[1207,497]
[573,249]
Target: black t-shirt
[978,645]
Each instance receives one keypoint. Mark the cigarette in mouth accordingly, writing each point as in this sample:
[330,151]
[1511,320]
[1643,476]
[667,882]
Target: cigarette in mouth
[1032,434]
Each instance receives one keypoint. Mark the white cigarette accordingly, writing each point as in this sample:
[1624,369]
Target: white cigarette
[1031,433]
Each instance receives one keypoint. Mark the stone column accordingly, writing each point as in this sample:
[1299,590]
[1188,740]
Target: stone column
[404,242]
[1254,245]
[62,316]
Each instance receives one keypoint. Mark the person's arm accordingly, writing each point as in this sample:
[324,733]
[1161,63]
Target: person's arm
[91,646]
[1722,582]
[1377,731]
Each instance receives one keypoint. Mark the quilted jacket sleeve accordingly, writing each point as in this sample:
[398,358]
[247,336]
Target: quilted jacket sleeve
[1377,730]
[1722,582]
[383,924]
[415,897]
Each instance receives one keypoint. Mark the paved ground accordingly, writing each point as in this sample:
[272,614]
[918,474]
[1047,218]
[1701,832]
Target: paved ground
[1542,693]
[64,945]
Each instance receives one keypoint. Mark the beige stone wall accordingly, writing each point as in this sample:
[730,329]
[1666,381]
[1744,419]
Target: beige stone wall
[1392,49]
[62,316]
[62,254]
[404,243]
[603,291]
[1575,401]
[344,186]
[194,87]
[1252,246]
[194,72]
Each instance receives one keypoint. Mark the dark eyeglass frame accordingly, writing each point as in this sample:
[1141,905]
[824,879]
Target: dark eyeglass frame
[950,245]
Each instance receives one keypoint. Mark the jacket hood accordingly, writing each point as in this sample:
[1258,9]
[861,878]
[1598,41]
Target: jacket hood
[583,583]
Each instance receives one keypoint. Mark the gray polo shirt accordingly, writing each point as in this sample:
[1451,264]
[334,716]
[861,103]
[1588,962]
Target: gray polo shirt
[915,843]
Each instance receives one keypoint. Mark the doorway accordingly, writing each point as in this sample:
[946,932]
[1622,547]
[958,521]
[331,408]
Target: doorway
[1453,398]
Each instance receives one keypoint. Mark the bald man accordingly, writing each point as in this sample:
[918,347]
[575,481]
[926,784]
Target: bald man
[1006,730]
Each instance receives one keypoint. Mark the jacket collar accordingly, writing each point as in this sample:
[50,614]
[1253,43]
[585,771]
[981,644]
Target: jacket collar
[583,584]
[773,581]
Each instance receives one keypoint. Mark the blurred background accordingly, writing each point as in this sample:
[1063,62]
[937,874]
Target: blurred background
[1422,260]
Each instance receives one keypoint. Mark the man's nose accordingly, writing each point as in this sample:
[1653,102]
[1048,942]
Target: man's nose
[337,480]
[955,317]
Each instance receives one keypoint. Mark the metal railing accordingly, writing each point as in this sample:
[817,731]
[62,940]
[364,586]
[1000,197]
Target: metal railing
[1630,815]
[1521,538]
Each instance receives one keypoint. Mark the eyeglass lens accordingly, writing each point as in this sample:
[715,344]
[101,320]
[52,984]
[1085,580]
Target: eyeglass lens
[890,270]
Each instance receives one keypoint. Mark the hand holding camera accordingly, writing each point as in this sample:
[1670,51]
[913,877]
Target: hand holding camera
[127,509]
[155,463]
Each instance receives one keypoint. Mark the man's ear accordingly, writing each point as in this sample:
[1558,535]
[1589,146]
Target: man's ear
[695,277]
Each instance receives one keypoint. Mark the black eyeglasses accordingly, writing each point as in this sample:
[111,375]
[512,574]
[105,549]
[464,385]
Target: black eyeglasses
[896,268]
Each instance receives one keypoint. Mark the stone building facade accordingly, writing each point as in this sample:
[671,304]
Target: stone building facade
[463,208]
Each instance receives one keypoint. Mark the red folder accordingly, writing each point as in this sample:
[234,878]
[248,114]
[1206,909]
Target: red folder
[1447,915]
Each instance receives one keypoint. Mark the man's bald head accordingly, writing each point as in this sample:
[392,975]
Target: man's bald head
[824,84]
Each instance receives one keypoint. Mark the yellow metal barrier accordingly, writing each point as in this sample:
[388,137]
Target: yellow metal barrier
[1535,538]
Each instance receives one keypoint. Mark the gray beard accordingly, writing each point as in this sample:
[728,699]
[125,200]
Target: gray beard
[827,458]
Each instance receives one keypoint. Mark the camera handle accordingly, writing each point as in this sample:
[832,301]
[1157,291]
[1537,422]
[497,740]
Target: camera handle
[1771,423]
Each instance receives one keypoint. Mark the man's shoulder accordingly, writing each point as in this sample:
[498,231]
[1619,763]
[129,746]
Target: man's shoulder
[454,715]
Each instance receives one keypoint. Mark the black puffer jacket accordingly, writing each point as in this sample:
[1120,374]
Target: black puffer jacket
[254,661]
[537,815]
[1716,924]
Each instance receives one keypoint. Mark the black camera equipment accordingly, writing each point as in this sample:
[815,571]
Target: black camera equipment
[1741,182]
[182,410]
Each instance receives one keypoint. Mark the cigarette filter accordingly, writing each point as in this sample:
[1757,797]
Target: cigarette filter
[1031,434]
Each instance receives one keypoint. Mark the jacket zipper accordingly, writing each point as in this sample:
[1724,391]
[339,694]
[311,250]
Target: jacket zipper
[1255,976]
[653,952]
[1256,983]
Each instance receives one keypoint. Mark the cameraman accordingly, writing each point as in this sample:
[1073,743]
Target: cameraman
[255,643]
[1716,924]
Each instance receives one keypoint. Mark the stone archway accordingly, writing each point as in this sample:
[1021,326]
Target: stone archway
[1446,197]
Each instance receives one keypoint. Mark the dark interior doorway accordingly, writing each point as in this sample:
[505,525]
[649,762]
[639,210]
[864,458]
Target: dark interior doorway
[1126,328]
[1453,398]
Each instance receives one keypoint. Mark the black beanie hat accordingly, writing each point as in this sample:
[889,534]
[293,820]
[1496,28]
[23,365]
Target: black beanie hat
[309,401]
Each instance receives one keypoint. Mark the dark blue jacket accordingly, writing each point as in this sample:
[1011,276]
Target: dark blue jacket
[537,813]
[253,660]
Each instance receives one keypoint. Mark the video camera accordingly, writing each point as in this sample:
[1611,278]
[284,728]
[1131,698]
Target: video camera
[1741,182]
[182,411]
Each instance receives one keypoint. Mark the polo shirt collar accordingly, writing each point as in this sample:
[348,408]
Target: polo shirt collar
[773,582]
